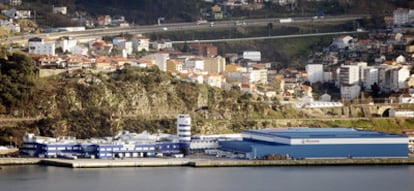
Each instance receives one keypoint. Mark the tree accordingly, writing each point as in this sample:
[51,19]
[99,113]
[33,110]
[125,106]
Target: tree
[17,74]
[269,29]
[375,90]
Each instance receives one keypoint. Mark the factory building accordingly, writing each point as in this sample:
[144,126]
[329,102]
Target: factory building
[123,145]
[318,143]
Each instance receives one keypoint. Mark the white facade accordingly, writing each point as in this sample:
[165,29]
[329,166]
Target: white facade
[315,73]
[252,55]
[184,127]
[140,43]
[160,60]
[349,74]
[161,44]
[123,43]
[214,80]
[66,43]
[401,16]
[401,113]
[60,10]
[343,42]
[257,76]
[399,77]
[42,47]
[350,92]
[370,77]
[195,63]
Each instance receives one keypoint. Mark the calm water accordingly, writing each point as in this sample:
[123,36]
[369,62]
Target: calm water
[366,178]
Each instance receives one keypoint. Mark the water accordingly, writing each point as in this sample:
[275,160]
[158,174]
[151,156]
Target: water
[42,178]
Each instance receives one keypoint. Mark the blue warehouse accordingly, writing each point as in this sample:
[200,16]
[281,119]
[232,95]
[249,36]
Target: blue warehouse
[318,143]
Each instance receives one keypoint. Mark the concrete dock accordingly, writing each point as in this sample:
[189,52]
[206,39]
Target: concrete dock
[19,161]
[197,162]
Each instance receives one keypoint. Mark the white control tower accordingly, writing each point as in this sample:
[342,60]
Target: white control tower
[184,128]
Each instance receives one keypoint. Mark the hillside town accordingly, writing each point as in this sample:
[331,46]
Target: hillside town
[376,69]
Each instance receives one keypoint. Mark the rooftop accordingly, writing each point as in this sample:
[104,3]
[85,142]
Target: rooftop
[298,133]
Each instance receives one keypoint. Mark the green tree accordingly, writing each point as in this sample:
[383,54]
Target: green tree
[17,74]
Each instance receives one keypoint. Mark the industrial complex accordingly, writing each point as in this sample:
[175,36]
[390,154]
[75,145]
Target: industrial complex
[318,143]
[292,143]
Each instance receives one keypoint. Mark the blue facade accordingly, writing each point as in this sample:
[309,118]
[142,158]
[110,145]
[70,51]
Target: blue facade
[327,143]
[102,151]
[260,150]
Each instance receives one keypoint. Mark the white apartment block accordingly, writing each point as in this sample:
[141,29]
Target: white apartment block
[194,63]
[402,16]
[393,78]
[349,74]
[315,73]
[257,75]
[370,77]
[66,43]
[160,59]
[140,43]
[399,77]
[42,46]
[350,92]
[123,43]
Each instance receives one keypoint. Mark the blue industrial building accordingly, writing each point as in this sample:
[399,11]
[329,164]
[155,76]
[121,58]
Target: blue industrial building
[318,143]
[126,145]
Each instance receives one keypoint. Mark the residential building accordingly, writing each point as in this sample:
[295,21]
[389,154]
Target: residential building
[257,75]
[315,73]
[160,60]
[214,80]
[140,43]
[123,43]
[399,77]
[401,16]
[100,47]
[252,55]
[206,50]
[343,42]
[175,65]
[12,2]
[10,25]
[349,74]
[350,92]
[234,68]
[370,77]
[161,44]
[60,10]
[216,13]
[66,43]
[195,64]
[42,46]
[215,64]
[104,20]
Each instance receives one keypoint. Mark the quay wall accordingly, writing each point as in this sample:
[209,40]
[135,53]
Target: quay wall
[197,163]
[19,161]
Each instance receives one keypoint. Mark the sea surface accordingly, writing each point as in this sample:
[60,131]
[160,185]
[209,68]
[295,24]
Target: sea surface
[340,178]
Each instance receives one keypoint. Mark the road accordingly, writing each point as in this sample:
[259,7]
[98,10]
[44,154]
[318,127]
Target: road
[267,37]
[93,33]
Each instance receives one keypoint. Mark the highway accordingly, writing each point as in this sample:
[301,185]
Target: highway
[93,33]
[268,37]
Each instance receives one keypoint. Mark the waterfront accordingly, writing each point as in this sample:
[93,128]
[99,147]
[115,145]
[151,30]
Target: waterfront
[45,178]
